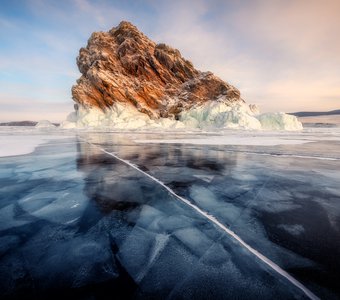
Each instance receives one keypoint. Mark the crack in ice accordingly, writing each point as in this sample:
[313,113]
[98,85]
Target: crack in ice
[260,256]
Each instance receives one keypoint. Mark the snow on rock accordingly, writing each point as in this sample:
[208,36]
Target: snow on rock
[208,116]
[279,121]
[44,124]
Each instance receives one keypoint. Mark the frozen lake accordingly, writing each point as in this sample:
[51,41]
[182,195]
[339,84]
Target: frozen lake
[234,215]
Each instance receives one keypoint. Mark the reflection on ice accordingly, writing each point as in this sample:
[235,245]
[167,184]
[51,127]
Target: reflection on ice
[273,202]
[76,221]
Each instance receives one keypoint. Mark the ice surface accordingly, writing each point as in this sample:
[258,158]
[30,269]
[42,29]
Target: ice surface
[8,218]
[294,229]
[69,262]
[196,241]
[76,220]
[267,194]
[7,243]
[139,251]
[150,217]
[256,140]
[207,200]
[62,207]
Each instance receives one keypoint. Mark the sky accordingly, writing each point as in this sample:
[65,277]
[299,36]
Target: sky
[283,55]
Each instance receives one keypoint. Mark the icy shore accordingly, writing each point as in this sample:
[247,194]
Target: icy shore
[210,116]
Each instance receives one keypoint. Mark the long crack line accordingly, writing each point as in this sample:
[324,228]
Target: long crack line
[259,255]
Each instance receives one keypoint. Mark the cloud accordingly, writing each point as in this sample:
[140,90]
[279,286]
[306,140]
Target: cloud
[300,94]
[257,47]
[6,24]
[283,55]
[18,109]
[293,27]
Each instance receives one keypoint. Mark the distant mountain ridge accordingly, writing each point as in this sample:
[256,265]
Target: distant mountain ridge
[19,123]
[315,113]
[22,123]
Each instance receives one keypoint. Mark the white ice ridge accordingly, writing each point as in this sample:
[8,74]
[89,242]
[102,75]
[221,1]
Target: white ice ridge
[263,258]
[217,114]
[45,124]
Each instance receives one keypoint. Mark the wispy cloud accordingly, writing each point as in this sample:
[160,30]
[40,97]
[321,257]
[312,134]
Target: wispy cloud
[260,46]
[18,109]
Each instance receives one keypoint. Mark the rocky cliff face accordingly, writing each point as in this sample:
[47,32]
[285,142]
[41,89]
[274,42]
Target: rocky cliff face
[130,83]
[124,66]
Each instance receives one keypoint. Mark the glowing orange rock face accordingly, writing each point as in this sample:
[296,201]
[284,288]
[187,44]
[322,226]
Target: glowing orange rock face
[123,65]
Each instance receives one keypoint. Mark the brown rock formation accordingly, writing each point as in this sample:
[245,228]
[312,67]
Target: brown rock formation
[123,65]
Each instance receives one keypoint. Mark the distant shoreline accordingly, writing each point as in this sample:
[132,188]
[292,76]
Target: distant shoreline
[22,123]
[315,113]
[321,120]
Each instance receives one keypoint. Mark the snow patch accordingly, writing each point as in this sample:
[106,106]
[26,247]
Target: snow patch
[19,145]
[12,145]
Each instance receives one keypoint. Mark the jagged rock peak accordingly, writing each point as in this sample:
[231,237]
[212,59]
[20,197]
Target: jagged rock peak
[125,66]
